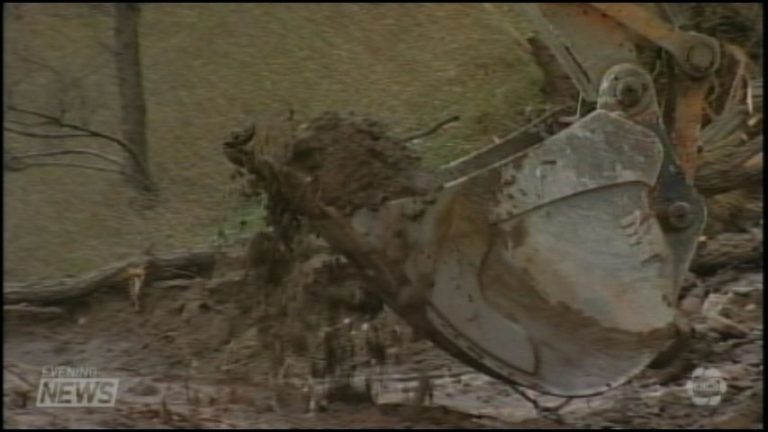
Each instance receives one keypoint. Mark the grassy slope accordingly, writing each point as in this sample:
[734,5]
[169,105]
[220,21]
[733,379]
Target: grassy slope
[210,68]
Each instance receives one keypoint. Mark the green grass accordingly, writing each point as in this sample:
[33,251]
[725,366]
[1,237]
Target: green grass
[248,217]
[209,68]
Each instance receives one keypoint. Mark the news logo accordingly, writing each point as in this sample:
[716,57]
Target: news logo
[65,386]
[706,386]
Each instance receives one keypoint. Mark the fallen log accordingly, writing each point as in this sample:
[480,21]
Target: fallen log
[721,251]
[728,250]
[188,263]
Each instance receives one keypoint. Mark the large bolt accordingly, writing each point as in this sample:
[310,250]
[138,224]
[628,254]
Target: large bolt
[701,58]
[629,92]
[679,214]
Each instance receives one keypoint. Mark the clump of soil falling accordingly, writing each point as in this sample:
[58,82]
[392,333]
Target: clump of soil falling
[348,161]
[354,162]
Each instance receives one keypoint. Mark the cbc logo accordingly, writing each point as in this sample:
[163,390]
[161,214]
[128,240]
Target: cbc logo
[706,386]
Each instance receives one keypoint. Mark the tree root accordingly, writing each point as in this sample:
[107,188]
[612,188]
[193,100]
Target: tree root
[174,265]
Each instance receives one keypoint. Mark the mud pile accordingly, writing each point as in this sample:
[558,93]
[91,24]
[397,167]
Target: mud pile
[354,162]
[286,335]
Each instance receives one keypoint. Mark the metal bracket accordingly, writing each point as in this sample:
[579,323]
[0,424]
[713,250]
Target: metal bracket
[696,54]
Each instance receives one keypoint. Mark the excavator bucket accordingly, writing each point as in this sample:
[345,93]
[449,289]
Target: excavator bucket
[551,264]
[548,268]
[557,264]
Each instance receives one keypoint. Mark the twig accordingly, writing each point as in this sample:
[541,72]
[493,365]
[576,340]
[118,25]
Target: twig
[136,276]
[59,122]
[69,151]
[177,271]
[429,131]
[18,375]
[61,290]
[518,39]
[26,165]
[13,163]
[28,124]
[45,135]
[75,81]
[574,118]
[39,64]
[739,76]
[542,409]
[51,310]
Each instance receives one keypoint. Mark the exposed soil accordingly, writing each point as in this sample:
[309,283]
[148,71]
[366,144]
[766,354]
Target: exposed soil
[225,353]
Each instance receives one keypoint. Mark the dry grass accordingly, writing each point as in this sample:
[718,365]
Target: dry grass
[210,68]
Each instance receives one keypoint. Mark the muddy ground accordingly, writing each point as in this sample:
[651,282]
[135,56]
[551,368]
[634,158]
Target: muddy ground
[279,333]
[207,352]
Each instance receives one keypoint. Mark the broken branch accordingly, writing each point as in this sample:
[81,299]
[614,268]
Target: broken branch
[429,131]
[25,165]
[44,135]
[69,151]
[198,262]
[59,122]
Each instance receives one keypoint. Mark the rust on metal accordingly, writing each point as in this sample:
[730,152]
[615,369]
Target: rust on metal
[696,54]
[689,112]
[573,30]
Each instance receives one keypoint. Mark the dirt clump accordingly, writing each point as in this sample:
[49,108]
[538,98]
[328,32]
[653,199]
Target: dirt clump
[354,162]
[345,161]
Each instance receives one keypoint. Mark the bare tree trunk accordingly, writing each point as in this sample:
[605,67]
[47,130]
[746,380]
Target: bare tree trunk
[131,86]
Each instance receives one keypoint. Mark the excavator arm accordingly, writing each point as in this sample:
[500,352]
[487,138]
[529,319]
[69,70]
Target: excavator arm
[557,264]
[554,264]
[590,38]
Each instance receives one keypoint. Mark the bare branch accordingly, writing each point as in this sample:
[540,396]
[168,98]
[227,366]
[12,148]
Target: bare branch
[23,56]
[94,153]
[75,81]
[58,77]
[59,122]
[28,124]
[431,130]
[16,163]
[24,165]
[45,135]
[197,262]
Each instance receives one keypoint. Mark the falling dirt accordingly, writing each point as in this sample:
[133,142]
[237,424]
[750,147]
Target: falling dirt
[369,166]
[351,161]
